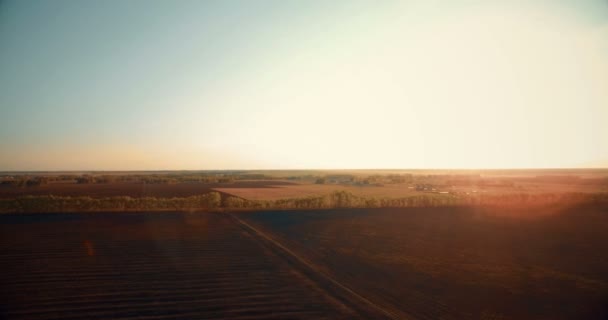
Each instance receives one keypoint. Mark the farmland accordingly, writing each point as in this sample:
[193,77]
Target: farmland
[304,245]
[386,263]
[162,266]
[460,263]
[275,185]
[275,192]
[131,189]
[200,191]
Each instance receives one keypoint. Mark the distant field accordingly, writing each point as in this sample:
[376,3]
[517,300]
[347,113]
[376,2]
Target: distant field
[130,189]
[275,185]
[275,192]
[305,190]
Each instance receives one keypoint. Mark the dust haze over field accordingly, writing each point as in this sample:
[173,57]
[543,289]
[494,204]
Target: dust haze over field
[269,159]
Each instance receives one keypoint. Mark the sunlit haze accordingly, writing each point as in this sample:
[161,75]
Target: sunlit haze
[141,85]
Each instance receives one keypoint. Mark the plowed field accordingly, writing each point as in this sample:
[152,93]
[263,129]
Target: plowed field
[459,263]
[150,266]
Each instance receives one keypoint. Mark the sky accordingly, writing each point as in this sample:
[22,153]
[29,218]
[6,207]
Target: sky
[286,84]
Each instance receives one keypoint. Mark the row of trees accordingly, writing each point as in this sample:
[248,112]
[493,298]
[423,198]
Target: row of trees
[338,199]
[210,200]
[531,199]
[345,199]
[25,182]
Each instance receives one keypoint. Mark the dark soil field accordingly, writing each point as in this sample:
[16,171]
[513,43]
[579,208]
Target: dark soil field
[459,263]
[131,189]
[408,263]
[151,266]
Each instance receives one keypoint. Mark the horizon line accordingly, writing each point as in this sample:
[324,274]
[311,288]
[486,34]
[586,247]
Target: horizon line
[299,169]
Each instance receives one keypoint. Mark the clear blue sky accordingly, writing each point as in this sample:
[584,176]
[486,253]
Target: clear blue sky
[302,84]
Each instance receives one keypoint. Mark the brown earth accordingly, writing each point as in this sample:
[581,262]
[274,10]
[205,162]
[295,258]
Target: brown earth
[152,266]
[459,263]
[306,190]
[583,182]
[399,190]
[130,189]
[409,263]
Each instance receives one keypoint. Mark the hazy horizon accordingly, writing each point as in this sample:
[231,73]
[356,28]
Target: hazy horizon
[241,85]
[549,171]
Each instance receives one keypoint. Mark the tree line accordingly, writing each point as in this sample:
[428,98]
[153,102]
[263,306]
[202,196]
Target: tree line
[337,199]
